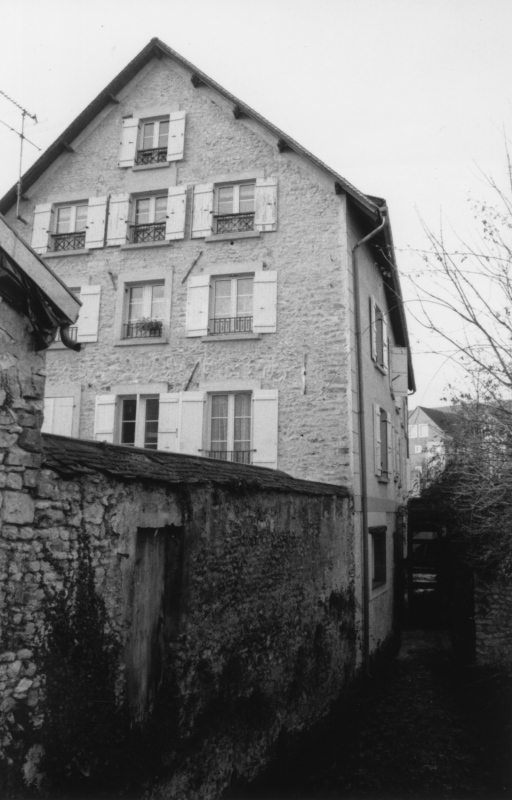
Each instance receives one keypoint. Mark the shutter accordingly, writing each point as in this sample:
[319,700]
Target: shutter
[96,216]
[373,330]
[191,423]
[47,426]
[265,204]
[176,206]
[176,140]
[376,440]
[129,137]
[168,422]
[202,214]
[118,218]
[264,428]
[389,443]
[63,416]
[41,228]
[105,418]
[198,301]
[265,302]
[88,318]
[399,382]
[385,344]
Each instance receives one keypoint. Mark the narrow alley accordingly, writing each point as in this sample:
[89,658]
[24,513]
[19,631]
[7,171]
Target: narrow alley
[427,729]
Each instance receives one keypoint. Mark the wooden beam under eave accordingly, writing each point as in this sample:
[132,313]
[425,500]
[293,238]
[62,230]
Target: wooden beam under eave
[283,146]
[197,81]
[68,147]
[113,99]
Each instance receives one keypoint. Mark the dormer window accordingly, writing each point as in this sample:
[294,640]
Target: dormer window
[153,143]
[235,208]
[71,222]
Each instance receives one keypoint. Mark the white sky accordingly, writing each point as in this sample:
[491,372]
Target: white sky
[407,99]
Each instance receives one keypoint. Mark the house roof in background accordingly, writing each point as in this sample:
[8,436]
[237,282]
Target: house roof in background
[443,416]
[75,457]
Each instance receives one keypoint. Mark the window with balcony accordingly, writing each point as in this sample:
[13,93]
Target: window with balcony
[138,421]
[149,220]
[70,227]
[232,305]
[230,427]
[144,311]
[234,208]
[153,142]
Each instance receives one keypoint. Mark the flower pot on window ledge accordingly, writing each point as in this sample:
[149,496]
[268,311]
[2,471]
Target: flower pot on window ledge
[144,327]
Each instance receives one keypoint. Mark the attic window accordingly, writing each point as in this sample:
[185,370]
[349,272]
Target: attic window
[153,142]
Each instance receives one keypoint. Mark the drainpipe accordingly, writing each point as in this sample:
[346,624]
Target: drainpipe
[362,444]
[67,340]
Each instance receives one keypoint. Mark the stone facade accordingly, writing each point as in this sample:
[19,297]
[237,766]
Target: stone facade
[493,623]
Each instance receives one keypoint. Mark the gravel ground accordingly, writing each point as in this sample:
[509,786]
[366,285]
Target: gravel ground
[427,729]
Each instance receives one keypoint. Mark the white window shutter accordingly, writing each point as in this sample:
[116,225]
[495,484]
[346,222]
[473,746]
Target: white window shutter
[376,440]
[47,426]
[198,302]
[118,218]
[58,415]
[129,138]
[96,216]
[265,204]
[385,343]
[176,140]
[202,213]
[176,207]
[105,418]
[88,318]
[265,427]
[191,423]
[42,226]
[265,302]
[399,375]
[390,443]
[373,329]
[168,422]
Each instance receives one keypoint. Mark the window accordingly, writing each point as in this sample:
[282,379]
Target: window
[143,307]
[378,560]
[379,336]
[154,138]
[234,208]
[73,330]
[70,225]
[417,449]
[413,431]
[138,421]
[383,443]
[86,327]
[422,431]
[144,311]
[149,219]
[230,427]
[232,304]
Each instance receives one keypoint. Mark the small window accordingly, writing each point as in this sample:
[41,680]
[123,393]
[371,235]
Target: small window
[153,142]
[138,421]
[234,208]
[144,311]
[232,304]
[230,427]
[384,444]
[379,336]
[423,431]
[418,448]
[378,556]
[149,219]
[413,431]
[70,227]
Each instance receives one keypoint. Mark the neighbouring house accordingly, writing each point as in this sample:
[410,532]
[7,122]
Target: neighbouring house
[429,429]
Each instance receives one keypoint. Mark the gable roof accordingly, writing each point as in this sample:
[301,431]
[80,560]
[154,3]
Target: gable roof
[74,457]
[443,416]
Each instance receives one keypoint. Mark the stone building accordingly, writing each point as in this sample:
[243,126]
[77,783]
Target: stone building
[240,299]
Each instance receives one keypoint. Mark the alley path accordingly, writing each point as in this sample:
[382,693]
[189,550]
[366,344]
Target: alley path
[425,730]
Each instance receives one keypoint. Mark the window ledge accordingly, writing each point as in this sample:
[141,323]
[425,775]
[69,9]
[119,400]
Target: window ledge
[161,164]
[143,245]
[230,337]
[226,237]
[83,252]
[148,341]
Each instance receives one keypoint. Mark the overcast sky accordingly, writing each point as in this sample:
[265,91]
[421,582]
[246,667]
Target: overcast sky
[407,99]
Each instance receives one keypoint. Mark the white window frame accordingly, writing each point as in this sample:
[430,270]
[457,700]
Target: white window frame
[230,448]
[73,207]
[140,419]
[233,313]
[152,198]
[156,121]
[141,278]
[236,203]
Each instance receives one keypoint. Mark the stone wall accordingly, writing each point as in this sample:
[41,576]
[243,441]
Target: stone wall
[258,637]
[493,623]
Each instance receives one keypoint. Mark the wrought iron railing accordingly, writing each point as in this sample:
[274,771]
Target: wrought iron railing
[142,330]
[238,456]
[151,232]
[234,223]
[231,325]
[68,241]
[155,155]
[72,333]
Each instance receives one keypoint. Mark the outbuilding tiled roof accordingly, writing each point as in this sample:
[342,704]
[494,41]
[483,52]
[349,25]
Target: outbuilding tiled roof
[74,457]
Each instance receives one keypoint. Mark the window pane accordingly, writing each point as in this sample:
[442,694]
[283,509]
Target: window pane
[160,208]
[63,219]
[246,198]
[244,297]
[81,218]
[142,211]
[148,135]
[128,418]
[219,427]
[222,306]
[135,303]
[242,432]
[151,423]
[163,134]
[157,301]
[225,200]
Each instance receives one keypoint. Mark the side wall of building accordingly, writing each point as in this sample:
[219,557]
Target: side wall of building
[493,623]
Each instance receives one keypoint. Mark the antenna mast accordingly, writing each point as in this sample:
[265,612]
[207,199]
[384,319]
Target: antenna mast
[24,113]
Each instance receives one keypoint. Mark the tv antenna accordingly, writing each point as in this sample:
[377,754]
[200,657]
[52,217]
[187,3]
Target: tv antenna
[23,138]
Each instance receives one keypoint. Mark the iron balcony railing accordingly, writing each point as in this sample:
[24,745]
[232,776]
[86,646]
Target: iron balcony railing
[151,232]
[68,241]
[234,223]
[238,456]
[142,330]
[231,325]
[155,155]
[72,333]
